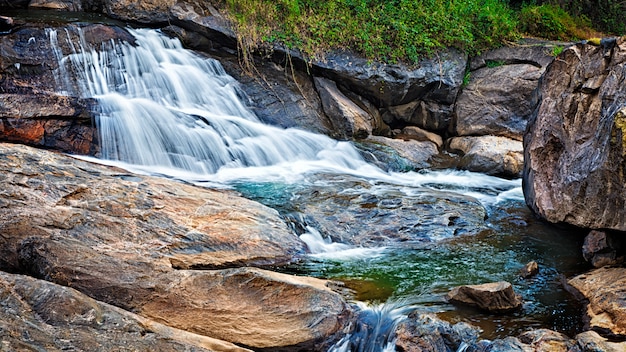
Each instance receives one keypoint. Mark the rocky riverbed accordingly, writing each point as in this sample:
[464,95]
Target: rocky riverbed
[94,257]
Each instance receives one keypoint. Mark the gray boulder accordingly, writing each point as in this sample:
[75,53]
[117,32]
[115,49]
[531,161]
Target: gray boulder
[489,154]
[575,145]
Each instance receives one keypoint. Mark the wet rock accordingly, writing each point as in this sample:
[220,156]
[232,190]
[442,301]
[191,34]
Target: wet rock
[605,289]
[355,212]
[427,333]
[418,154]
[280,96]
[508,344]
[32,111]
[39,315]
[497,101]
[529,270]
[602,248]
[489,154]
[347,116]
[574,149]
[492,297]
[6,23]
[119,238]
[591,341]
[413,132]
[544,340]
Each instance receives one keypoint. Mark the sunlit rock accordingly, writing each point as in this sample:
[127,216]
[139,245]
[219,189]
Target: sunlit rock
[39,315]
[489,154]
[605,289]
[492,297]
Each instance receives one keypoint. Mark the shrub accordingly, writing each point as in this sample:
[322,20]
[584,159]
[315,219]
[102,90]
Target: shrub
[552,22]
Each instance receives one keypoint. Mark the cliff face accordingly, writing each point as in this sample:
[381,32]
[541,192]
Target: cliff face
[574,147]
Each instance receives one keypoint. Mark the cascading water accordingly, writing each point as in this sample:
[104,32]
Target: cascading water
[165,110]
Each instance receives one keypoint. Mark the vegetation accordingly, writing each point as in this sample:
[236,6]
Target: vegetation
[400,30]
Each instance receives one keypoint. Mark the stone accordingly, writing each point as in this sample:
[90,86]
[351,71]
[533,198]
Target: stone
[497,101]
[414,132]
[591,341]
[147,12]
[6,23]
[355,212]
[529,51]
[39,315]
[574,146]
[32,111]
[418,154]
[347,117]
[605,289]
[426,333]
[492,297]
[529,270]
[544,340]
[131,241]
[602,249]
[489,154]
[66,5]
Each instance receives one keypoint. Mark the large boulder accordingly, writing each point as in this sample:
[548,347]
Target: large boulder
[489,154]
[38,315]
[427,333]
[129,241]
[605,289]
[576,142]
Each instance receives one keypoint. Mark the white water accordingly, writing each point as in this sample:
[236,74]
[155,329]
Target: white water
[169,111]
[165,110]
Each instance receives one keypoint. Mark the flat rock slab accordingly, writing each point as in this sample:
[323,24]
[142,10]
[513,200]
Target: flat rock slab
[119,238]
[605,288]
[39,315]
[492,297]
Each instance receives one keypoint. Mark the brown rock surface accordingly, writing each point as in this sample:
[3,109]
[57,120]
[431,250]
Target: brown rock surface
[117,237]
[591,341]
[605,288]
[493,297]
[602,249]
[489,154]
[574,148]
[37,315]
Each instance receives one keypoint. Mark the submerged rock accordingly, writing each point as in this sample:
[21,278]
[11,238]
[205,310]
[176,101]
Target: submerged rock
[37,315]
[492,297]
[119,238]
[355,212]
[605,289]
[574,149]
[529,270]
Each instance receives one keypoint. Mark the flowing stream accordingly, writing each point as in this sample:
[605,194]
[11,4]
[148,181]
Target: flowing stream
[168,111]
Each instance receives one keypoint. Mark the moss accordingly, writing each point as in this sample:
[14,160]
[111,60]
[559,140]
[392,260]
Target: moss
[620,122]
[594,41]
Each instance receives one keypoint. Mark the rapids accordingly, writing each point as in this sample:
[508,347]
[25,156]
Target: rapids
[168,111]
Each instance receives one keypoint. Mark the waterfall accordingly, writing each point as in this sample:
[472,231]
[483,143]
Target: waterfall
[163,106]
[166,110]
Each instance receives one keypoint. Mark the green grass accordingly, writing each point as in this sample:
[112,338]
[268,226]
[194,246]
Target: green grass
[396,30]
[391,31]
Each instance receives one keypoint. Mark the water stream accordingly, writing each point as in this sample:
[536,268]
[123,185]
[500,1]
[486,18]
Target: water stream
[168,111]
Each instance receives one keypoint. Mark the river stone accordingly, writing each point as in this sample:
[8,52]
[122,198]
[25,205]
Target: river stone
[353,211]
[602,248]
[489,154]
[66,5]
[492,297]
[605,289]
[574,148]
[497,101]
[544,340]
[414,132]
[119,238]
[591,341]
[418,154]
[346,115]
[426,333]
[38,315]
